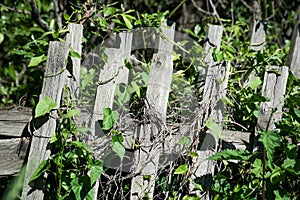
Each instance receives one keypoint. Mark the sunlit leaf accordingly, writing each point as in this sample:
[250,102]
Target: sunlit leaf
[35,61]
[109,118]
[44,106]
[229,154]
[182,169]
[214,127]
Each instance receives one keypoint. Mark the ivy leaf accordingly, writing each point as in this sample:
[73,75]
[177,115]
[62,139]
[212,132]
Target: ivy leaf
[254,83]
[42,168]
[96,171]
[74,53]
[72,113]
[109,118]
[214,127]
[117,145]
[184,140]
[270,140]
[182,169]
[44,106]
[76,187]
[230,154]
[35,61]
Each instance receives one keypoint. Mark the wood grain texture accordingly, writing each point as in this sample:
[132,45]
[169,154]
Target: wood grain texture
[54,81]
[211,106]
[74,38]
[147,157]
[274,87]
[258,35]
[294,55]
[12,154]
[13,121]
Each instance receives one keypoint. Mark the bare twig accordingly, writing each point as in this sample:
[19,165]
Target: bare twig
[58,13]
[233,122]
[36,16]
[15,9]
[200,9]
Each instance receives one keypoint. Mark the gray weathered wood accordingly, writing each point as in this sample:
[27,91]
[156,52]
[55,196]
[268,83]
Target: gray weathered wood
[257,43]
[74,38]
[113,72]
[294,55]
[147,157]
[54,80]
[11,162]
[258,35]
[212,107]
[13,121]
[12,154]
[274,87]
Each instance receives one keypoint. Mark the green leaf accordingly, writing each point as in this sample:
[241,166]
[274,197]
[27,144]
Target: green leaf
[231,154]
[184,140]
[182,169]
[277,175]
[211,125]
[96,171]
[1,38]
[257,168]
[44,106]
[136,88]
[72,113]
[66,17]
[187,197]
[281,195]
[127,21]
[117,145]
[109,11]
[42,168]
[270,140]
[109,118]
[74,53]
[254,83]
[197,29]
[76,188]
[35,61]
[227,101]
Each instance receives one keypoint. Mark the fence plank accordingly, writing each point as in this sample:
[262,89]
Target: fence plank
[258,35]
[294,55]
[54,80]
[212,107]
[12,154]
[147,158]
[274,87]
[113,72]
[12,122]
[74,38]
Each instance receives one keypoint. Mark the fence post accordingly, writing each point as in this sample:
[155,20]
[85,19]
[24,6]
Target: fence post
[212,107]
[54,80]
[147,156]
[74,37]
[274,87]
[113,72]
[294,55]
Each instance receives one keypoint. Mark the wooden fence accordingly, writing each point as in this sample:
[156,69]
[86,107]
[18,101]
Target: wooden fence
[18,125]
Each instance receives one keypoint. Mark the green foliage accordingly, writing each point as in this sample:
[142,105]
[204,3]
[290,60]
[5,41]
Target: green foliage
[44,106]
[71,171]
[109,118]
